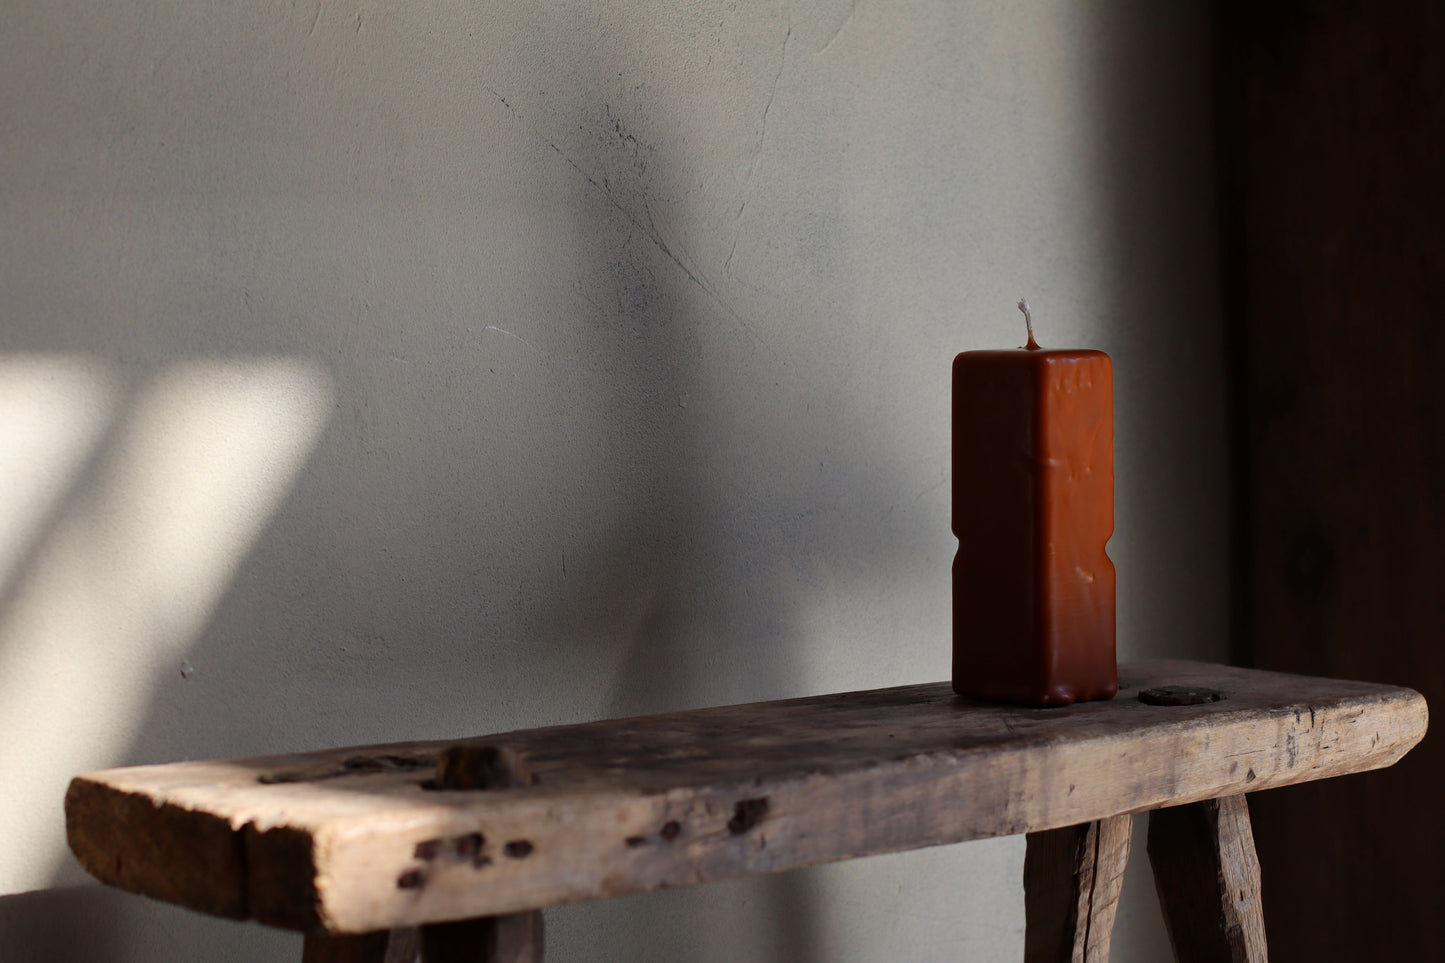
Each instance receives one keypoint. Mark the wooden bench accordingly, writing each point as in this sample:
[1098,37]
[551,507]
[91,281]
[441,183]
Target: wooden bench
[456,847]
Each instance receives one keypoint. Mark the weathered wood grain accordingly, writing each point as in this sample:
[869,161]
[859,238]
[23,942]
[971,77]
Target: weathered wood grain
[1207,876]
[1072,880]
[349,840]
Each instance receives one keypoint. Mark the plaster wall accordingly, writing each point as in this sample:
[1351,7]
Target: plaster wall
[374,371]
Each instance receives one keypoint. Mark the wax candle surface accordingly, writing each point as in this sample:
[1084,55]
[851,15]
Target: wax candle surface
[1033,506]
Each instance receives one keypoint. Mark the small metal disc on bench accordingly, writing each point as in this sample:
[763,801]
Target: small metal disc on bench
[1179,695]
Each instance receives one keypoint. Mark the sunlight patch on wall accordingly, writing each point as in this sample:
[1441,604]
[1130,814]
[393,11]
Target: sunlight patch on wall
[125,579]
[52,412]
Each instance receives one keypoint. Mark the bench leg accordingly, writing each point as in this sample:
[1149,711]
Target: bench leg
[1207,877]
[1072,878]
[514,938]
[394,946]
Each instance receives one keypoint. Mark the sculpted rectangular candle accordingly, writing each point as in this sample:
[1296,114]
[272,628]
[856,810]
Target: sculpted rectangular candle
[1033,506]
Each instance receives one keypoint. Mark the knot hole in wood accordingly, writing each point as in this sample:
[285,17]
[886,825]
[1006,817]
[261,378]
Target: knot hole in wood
[465,766]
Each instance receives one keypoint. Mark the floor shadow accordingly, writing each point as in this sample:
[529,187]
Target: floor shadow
[94,924]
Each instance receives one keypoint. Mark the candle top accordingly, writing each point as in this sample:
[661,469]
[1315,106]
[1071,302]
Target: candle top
[1033,353]
[1029,323]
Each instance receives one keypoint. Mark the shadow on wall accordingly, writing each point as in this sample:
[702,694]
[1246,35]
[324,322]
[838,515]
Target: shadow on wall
[687,622]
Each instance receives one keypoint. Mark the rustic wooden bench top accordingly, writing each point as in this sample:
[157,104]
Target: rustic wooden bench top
[357,840]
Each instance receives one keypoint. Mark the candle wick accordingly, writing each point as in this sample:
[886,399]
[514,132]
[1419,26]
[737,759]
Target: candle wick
[1029,323]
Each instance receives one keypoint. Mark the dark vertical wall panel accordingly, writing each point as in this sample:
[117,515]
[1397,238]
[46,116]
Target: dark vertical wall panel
[1333,159]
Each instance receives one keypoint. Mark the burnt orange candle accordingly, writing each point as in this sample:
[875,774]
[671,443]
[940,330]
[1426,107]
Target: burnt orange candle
[1033,506]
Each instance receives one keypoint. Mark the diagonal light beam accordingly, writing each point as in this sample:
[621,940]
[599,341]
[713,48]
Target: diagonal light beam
[126,581]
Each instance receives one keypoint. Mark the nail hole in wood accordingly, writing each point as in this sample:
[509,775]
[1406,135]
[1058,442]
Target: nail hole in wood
[427,849]
[480,767]
[411,879]
[468,846]
[747,814]
[670,829]
[1179,695]
[518,849]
